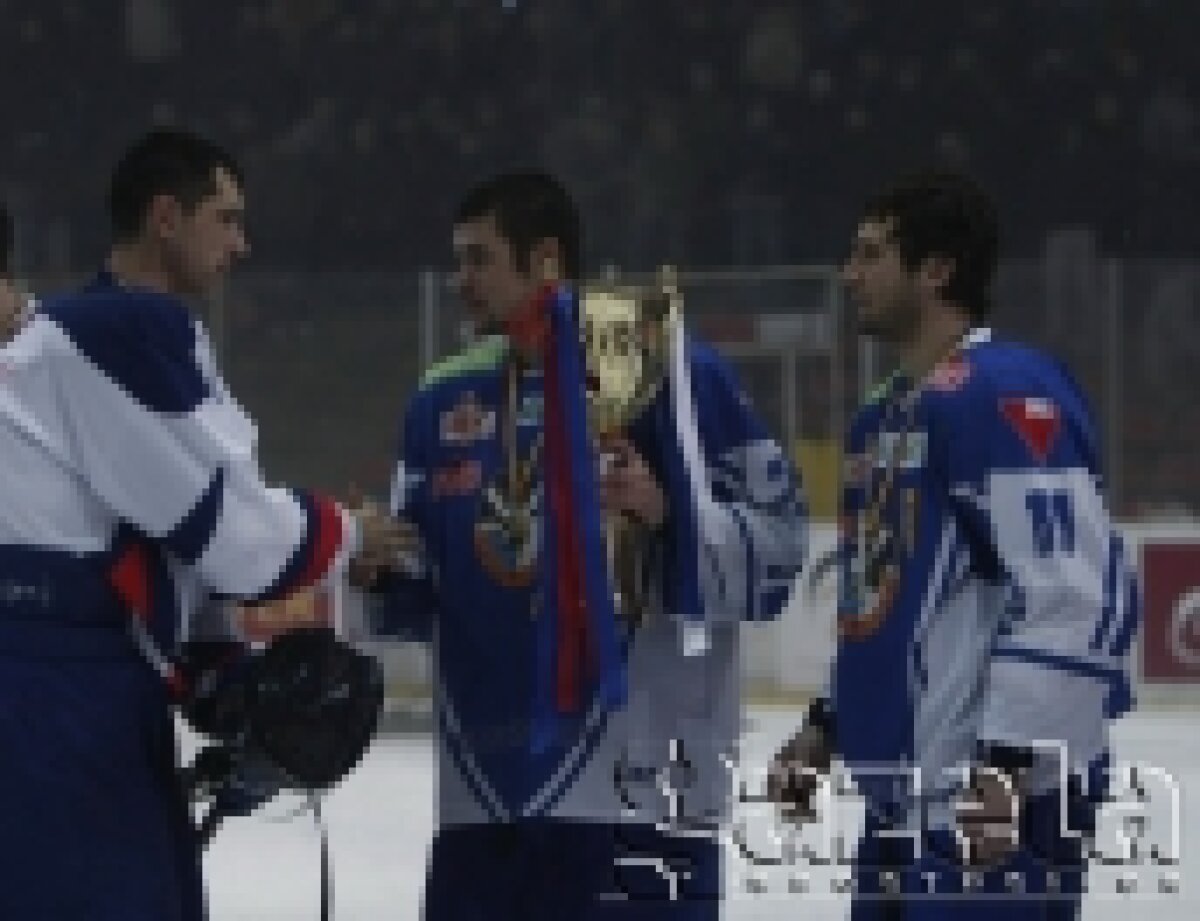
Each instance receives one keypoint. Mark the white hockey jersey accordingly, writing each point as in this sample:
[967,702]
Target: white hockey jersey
[116,429]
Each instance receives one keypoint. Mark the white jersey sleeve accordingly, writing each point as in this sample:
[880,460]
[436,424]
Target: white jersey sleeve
[1025,480]
[148,423]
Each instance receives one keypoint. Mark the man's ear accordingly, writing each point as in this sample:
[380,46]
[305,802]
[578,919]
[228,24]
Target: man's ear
[546,260]
[935,273]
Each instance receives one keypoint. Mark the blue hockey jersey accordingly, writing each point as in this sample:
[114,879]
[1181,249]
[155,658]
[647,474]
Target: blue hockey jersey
[124,458]
[986,598]
[473,593]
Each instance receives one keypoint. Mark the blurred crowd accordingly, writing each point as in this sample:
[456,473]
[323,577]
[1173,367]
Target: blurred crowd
[695,131]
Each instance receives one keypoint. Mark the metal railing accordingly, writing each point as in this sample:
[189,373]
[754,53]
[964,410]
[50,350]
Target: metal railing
[325,362]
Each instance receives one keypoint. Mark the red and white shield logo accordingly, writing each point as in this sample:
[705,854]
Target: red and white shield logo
[1037,422]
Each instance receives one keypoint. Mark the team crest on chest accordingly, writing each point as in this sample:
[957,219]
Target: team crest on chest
[873,573]
[879,538]
[507,533]
[863,622]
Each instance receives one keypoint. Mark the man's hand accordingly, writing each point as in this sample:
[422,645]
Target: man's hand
[989,817]
[795,773]
[628,485]
[382,539]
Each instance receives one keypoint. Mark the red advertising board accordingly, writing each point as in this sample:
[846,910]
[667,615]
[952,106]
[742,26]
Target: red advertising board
[1171,629]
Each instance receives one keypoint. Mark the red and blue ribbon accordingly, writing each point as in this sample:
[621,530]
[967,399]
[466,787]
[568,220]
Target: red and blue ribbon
[578,655]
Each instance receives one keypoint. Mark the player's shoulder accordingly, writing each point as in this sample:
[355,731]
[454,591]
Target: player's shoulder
[448,380]
[996,369]
[995,379]
[103,309]
[703,354]
[481,358]
[717,389]
[143,340]
[1023,392]
[708,367]
[1003,363]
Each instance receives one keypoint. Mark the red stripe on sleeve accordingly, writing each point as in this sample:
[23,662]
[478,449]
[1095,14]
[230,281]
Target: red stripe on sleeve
[326,539]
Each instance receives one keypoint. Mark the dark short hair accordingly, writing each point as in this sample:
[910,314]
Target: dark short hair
[528,207]
[166,161]
[6,240]
[941,213]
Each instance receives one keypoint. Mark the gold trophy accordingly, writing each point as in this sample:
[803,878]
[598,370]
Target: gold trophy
[626,333]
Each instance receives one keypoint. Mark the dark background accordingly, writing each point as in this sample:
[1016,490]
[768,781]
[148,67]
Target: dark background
[703,133]
[699,132]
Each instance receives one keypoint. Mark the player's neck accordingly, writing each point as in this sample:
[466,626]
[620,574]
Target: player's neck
[939,333]
[135,267]
[525,327]
[526,357]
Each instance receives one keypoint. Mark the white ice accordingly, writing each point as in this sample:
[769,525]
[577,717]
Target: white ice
[380,823]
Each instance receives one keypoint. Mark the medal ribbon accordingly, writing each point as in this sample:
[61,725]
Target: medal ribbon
[577,634]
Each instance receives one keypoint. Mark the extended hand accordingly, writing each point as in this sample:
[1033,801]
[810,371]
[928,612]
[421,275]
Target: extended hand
[628,485]
[382,540]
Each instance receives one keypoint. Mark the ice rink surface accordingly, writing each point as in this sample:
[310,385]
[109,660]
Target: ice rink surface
[266,867]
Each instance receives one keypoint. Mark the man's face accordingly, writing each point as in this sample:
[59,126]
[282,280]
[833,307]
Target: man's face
[487,277]
[202,245]
[885,291]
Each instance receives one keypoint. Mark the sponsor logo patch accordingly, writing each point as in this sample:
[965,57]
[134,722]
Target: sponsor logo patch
[950,375]
[457,479]
[467,422]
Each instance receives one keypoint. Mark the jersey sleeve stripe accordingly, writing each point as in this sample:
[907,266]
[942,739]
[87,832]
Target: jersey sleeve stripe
[315,554]
[188,539]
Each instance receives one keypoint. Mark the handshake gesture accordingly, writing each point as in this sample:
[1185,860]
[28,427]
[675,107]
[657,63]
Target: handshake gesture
[383,540]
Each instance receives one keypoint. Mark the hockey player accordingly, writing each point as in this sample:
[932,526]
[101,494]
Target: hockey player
[986,605]
[596,798]
[124,455]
